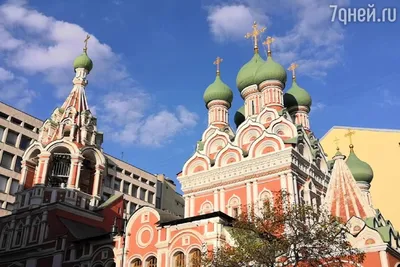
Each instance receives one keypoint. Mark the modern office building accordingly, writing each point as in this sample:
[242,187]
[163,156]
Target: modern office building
[17,131]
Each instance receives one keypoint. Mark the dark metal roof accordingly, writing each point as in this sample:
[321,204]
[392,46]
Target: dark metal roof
[198,218]
[81,230]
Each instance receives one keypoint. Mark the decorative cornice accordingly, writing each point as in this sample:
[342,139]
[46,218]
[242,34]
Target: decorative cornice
[249,90]
[218,103]
[234,172]
[271,84]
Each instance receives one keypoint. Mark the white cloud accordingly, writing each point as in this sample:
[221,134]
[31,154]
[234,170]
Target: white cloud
[16,91]
[5,75]
[312,39]
[48,48]
[128,111]
[232,21]
[318,106]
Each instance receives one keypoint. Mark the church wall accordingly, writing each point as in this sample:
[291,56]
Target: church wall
[142,234]
[45,261]
[372,259]
[238,192]
[201,202]
[392,260]
[271,184]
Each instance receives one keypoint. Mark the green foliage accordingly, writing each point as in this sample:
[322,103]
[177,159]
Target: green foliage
[283,234]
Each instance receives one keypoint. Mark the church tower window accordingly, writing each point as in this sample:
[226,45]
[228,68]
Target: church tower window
[35,230]
[151,262]
[5,234]
[18,234]
[136,263]
[179,259]
[195,258]
[60,164]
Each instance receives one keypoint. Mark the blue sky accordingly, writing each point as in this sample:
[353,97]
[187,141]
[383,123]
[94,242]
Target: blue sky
[153,61]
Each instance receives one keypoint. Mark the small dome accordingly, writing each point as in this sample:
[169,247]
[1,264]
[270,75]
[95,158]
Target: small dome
[218,90]
[270,70]
[360,170]
[83,61]
[239,116]
[247,73]
[296,96]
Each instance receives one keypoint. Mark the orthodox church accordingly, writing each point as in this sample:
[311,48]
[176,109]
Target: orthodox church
[273,148]
[60,220]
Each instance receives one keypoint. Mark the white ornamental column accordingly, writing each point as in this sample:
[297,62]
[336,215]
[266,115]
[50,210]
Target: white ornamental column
[216,206]
[222,200]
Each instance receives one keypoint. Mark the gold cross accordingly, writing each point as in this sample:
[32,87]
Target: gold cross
[254,34]
[349,134]
[336,141]
[292,68]
[218,62]
[86,41]
[268,43]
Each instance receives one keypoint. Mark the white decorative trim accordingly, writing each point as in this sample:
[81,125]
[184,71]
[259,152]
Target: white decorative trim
[248,166]
[145,217]
[139,234]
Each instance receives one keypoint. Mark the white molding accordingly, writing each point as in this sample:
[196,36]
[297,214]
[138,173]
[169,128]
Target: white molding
[249,166]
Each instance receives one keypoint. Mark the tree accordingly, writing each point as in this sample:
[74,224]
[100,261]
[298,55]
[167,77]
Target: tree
[283,234]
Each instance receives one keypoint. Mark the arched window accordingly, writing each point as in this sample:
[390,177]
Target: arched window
[234,206]
[300,148]
[35,230]
[207,207]
[265,198]
[179,259]
[18,234]
[5,234]
[151,262]
[136,263]
[195,258]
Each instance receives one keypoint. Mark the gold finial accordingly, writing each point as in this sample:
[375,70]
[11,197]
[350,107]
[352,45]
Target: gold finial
[254,34]
[86,41]
[292,68]
[349,134]
[268,43]
[217,62]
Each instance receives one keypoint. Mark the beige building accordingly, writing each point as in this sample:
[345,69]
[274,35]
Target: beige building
[167,198]
[19,129]
[380,148]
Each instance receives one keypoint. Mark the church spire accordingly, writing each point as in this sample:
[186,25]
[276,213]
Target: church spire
[73,120]
[344,198]
[218,99]
[298,101]
[361,171]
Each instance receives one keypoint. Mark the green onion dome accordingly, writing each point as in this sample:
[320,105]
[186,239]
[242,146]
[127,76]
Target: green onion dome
[270,70]
[239,116]
[296,96]
[218,90]
[83,61]
[361,171]
[247,73]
